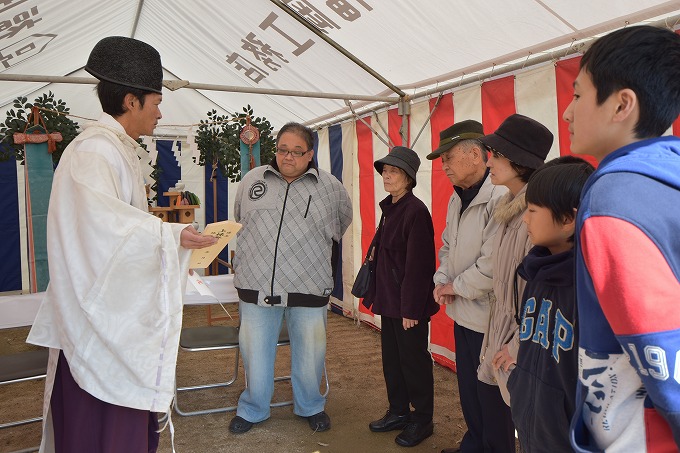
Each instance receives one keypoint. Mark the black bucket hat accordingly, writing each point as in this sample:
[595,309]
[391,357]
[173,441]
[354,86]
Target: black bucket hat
[128,62]
[521,139]
[449,137]
[401,157]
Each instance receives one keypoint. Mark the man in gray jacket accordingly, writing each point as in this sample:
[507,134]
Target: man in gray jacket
[293,217]
[465,274]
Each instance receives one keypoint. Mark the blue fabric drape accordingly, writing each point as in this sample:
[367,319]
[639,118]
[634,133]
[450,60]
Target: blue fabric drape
[10,246]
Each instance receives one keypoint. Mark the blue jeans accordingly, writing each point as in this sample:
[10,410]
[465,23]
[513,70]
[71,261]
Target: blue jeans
[259,332]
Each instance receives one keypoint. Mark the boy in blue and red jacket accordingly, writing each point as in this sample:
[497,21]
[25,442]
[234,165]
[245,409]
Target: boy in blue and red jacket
[626,95]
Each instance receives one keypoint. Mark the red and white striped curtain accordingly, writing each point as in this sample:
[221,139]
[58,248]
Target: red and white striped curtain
[541,93]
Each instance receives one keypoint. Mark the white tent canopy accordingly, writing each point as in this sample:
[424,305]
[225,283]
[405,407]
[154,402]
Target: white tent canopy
[375,48]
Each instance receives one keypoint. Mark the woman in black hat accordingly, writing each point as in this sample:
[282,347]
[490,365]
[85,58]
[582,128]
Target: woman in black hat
[518,147]
[401,293]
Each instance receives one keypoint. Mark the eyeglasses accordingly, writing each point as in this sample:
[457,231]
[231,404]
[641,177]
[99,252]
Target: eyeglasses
[285,152]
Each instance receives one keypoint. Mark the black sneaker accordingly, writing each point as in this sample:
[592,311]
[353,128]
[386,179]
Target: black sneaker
[319,422]
[414,433]
[389,422]
[239,425]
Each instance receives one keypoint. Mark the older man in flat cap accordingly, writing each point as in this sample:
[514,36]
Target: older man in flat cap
[463,280]
[112,312]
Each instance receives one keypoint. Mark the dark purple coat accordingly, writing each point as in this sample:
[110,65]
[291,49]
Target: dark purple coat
[405,261]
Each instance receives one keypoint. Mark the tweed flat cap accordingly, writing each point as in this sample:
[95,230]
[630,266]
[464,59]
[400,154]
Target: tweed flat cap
[128,62]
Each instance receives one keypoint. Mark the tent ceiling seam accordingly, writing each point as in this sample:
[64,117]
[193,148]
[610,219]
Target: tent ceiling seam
[339,48]
[557,16]
[585,34]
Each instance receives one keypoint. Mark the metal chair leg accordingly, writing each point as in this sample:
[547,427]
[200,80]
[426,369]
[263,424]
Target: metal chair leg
[22,367]
[210,338]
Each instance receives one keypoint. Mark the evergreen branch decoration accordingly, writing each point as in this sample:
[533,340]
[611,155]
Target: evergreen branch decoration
[219,142]
[55,122]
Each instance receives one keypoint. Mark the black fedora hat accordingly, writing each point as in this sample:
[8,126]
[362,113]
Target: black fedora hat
[401,157]
[521,139]
[449,137]
[128,62]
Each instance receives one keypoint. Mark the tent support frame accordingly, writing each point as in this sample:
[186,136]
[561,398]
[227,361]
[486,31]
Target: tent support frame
[404,111]
[368,125]
[338,47]
[342,115]
[176,84]
[367,104]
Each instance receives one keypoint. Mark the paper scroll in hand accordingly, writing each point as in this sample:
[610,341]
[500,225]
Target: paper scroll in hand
[224,231]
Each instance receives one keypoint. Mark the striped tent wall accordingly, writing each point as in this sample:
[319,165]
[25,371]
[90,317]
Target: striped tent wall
[328,156]
[541,93]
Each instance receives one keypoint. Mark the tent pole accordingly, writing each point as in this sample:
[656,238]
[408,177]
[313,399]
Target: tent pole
[173,85]
[404,111]
[338,47]
[215,265]
[140,5]
[369,126]
[427,121]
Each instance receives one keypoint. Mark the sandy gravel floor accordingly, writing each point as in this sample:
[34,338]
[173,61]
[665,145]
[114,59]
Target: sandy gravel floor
[357,396]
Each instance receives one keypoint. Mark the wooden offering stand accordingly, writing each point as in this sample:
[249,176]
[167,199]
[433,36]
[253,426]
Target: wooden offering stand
[163,213]
[177,212]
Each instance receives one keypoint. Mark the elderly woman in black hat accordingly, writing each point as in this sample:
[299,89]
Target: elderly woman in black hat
[401,293]
[518,147]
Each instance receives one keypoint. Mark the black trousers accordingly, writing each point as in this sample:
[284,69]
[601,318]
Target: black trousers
[488,418]
[407,367]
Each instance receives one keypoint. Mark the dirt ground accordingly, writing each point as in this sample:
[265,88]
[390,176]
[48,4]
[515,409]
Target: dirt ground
[357,396]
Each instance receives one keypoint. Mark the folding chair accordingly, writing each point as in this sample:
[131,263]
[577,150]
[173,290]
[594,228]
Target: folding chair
[24,366]
[208,338]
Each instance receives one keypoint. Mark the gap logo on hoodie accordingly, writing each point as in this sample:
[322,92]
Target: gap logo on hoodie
[536,326]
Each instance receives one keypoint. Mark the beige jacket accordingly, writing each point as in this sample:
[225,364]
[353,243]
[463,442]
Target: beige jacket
[510,246]
[465,256]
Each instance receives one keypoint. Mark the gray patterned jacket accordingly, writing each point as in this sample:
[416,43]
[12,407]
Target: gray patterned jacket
[284,247]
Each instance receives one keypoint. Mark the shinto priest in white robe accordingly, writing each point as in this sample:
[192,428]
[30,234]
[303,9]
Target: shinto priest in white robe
[117,276]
